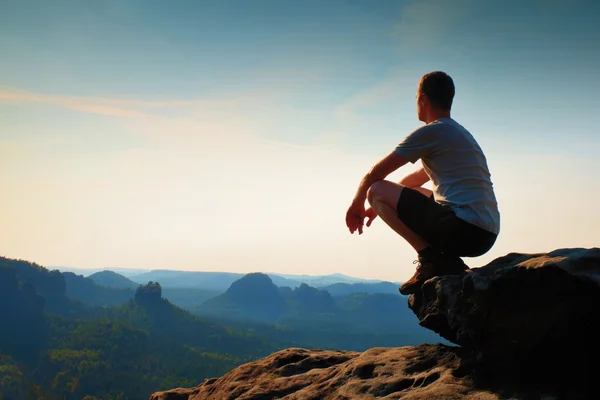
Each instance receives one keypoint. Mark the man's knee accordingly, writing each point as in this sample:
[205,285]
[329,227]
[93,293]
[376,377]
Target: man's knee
[385,192]
[374,193]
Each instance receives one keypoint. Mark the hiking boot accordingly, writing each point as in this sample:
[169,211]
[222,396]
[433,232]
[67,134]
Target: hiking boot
[425,270]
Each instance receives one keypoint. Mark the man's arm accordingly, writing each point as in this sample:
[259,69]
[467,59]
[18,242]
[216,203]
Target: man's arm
[415,179]
[379,171]
[356,212]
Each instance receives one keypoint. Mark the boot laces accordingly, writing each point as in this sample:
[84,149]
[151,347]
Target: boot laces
[419,264]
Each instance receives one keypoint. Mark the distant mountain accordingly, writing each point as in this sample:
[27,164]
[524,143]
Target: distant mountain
[359,315]
[162,317]
[126,272]
[321,280]
[90,292]
[113,280]
[285,282]
[344,289]
[254,296]
[188,289]
[306,299]
[312,319]
[218,281]
[87,291]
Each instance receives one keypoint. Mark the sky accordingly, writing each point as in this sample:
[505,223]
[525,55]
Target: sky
[231,135]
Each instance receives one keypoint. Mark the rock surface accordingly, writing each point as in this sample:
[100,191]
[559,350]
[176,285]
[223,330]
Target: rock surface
[519,306]
[426,372]
[524,324]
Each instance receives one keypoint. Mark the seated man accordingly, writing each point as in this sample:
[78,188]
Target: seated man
[460,217]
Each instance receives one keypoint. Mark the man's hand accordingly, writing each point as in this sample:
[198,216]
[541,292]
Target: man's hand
[355,216]
[371,214]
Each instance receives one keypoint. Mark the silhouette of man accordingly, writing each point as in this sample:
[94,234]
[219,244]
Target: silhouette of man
[459,217]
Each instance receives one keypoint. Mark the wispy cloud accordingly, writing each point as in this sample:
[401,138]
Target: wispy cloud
[129,108]
[88,105]
[196,122]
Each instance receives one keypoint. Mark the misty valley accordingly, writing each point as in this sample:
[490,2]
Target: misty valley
[107,336]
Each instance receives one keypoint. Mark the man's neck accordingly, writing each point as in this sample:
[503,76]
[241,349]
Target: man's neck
[434,115]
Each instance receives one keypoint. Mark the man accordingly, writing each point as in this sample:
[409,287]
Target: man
[459,217]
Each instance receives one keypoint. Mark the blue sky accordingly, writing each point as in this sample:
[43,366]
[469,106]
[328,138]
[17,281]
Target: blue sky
[231,135]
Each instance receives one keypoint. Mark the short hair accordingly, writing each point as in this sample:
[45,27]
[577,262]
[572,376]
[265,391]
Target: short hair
[438,86]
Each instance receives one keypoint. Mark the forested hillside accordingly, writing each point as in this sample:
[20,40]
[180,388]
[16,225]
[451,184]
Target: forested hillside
[68,337]
[57,348]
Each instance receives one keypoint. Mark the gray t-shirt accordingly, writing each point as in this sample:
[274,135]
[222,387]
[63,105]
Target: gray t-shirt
[458,170]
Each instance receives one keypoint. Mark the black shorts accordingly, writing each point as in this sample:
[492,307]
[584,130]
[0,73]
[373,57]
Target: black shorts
[439,226]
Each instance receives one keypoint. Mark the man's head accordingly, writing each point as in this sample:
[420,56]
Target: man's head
[434,95]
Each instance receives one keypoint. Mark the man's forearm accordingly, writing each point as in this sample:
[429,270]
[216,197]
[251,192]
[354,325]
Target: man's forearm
[379,171]
[409,181]
[415,179]
[363,187]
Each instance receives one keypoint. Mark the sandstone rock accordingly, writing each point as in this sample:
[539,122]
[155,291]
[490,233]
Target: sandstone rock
[524,323]
[520,306]
[421,372]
